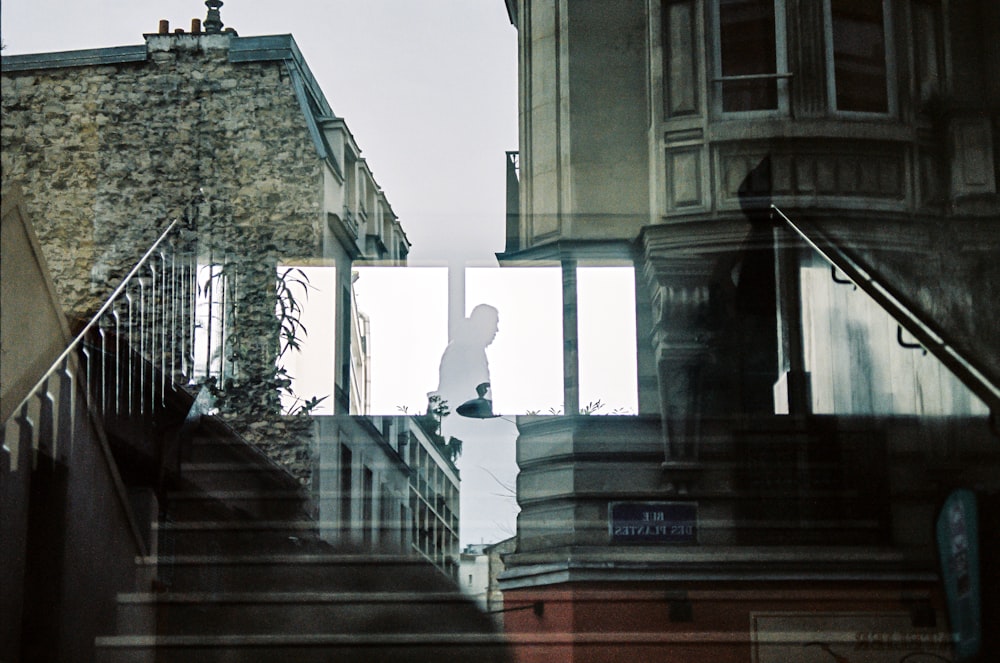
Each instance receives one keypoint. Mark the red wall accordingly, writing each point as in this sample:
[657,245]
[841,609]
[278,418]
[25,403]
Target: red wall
[632,622]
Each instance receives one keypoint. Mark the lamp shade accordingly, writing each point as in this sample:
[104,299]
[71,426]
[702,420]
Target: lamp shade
[480,407]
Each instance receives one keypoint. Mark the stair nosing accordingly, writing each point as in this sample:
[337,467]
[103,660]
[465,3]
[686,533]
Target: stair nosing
[215,525]
[310,558]
[256,640]
[278,597]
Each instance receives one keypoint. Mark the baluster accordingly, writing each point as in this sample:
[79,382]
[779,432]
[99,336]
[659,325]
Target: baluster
[10,438]
[89,374]
[129,353]
[140,363]
[189,287]
[176,321]
[209,327]
[24,437]
[46,426]
[178,325]
[100,379]
[164,317]
[29,416]
[223,321]
[154,335]
[66,399]
[4,449]
[232,287]
[170,328]
[117,359]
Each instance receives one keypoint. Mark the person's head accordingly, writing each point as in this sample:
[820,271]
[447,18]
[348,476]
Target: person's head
[484,323]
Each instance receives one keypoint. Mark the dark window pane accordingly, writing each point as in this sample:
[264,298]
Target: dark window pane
[746,38]
[859,55]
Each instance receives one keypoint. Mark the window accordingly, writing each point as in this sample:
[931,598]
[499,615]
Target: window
[750,56]
[927,48]
[857,55]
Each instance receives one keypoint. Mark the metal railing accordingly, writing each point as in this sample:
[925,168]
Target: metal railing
[930,336]
[135,349]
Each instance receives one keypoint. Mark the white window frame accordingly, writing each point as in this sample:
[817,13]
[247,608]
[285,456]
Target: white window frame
[782,75]
[890,66]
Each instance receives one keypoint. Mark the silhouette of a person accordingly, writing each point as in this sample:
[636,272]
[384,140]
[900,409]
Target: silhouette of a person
[464,365]
[487,461]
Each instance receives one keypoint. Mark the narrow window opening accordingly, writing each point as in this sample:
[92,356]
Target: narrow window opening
[748,55]
[859,55]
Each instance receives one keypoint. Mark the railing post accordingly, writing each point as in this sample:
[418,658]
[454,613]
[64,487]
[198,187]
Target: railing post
[46,428]
[65,429]
[164,318]
[25,434]
[129,343]
[140,363]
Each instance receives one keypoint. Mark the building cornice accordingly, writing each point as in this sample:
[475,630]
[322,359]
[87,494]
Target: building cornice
[81,58]
[749,564]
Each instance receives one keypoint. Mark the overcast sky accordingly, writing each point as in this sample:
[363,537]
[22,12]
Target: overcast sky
[427,87]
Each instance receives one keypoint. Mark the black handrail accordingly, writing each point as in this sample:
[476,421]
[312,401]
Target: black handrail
[924,331]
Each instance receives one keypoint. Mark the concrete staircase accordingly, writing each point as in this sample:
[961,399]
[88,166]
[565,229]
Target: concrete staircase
[242,575]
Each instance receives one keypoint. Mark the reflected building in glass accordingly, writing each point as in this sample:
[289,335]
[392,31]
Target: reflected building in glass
[164,492]
[808,194]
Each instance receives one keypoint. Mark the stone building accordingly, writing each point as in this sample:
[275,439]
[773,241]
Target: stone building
[474,573]
[808,193]
[150,474]
[120,139]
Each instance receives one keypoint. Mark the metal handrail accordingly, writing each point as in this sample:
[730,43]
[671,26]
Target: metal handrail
[754,77]
[75,343]
[931,340]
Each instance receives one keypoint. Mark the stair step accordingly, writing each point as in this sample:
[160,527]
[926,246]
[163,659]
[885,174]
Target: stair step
[371,647]
[239,536]
[222,448]
[290,504]
[217,449]
[292,613]
[296,572]
[235,476]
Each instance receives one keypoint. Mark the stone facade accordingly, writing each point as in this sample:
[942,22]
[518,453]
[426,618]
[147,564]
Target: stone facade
[106,154]
[765,166]
[109,145]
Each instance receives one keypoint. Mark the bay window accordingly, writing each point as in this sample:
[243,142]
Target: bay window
[857,57]
[750,56]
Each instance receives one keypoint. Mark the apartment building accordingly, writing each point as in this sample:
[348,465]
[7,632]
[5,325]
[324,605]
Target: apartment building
[807,192]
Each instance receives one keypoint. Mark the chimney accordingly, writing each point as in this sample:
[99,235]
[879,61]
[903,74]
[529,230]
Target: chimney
[213,22]
[195,25]
[164,27]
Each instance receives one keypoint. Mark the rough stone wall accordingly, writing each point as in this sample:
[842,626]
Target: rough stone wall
[287,440]
[106,155]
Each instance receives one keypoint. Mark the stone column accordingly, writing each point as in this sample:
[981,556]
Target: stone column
[571,359]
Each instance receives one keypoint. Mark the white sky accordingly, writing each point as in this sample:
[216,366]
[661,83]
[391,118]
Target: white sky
[429,90]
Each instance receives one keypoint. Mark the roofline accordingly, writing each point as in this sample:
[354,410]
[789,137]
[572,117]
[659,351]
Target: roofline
[81,58]
[262,48]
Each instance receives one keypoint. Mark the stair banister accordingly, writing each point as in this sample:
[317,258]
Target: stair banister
[95,320]
[908,319]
